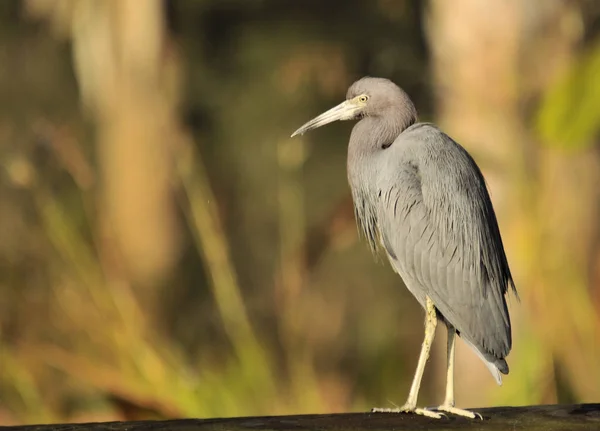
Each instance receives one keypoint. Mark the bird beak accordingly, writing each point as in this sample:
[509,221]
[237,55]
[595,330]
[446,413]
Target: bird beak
[344,111]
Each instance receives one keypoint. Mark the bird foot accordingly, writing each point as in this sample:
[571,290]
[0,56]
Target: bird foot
[459,412]
[409,409]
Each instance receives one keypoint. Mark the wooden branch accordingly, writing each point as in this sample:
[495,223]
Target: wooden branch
[532,418]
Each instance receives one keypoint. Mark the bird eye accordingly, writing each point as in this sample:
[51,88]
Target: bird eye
[363,98]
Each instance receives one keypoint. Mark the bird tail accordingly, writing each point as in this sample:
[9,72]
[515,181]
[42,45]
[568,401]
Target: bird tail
[496,366]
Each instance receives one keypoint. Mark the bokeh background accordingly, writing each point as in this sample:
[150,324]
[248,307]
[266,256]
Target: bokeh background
[166,250]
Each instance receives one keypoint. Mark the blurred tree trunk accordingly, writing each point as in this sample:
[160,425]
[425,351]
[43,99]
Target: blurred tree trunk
[491,62]
[128,82]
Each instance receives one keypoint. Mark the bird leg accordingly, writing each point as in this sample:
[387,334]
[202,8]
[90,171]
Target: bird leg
[411,403]
[448,405]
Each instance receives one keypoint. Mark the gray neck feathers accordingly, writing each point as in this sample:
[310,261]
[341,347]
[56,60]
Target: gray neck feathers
[378,132]
[370,136]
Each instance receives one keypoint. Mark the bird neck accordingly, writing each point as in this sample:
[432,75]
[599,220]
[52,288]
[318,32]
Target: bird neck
[373,134]
[369,139]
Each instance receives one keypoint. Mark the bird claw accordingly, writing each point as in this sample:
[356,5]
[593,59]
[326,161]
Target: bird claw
[408,409]
[459,412]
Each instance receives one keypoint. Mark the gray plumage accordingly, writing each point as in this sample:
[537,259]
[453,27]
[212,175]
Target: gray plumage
[420,197]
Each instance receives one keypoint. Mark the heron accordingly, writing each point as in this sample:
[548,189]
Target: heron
[420,198]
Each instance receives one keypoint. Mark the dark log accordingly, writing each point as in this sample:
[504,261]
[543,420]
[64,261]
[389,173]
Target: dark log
[533,418]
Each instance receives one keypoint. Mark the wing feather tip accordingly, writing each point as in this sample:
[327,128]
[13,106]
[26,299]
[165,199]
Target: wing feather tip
[495,368]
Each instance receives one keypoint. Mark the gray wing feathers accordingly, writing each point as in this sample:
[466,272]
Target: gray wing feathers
[438,222]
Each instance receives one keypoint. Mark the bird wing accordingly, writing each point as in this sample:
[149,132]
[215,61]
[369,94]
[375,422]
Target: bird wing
[439,229]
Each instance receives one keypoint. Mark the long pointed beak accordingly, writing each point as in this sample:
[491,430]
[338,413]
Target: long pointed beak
[344,111]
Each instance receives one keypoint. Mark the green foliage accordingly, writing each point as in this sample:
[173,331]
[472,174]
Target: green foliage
[569,114]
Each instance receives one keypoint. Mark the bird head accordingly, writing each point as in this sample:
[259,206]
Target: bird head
[367,97]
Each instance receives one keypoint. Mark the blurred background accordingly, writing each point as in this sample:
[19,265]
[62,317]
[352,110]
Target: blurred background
[166,250]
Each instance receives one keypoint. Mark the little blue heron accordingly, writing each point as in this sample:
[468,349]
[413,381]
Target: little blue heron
[421,198]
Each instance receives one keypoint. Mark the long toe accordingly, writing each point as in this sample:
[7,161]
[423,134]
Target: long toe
[459,412]
[409,409]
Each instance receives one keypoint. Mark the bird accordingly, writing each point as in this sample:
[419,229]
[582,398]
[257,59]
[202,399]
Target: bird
[420,198]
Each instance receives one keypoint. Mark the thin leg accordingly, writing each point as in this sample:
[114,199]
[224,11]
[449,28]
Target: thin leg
[411,403]
[449,399]
[448,405]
